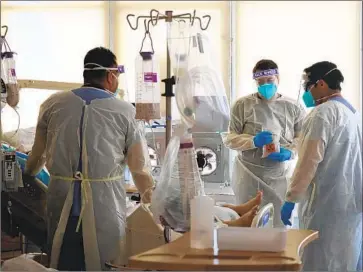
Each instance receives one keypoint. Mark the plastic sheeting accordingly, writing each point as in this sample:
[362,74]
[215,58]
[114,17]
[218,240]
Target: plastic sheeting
[198,83]
[199,90]
[23,263]
[180,182]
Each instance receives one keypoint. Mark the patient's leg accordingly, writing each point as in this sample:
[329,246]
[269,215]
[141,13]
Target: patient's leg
[246,207]
[245,220]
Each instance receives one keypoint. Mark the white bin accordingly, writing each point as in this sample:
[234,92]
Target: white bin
[252,239]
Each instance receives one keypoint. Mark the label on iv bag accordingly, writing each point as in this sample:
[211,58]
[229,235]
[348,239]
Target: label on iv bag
[150,77]
[12,72]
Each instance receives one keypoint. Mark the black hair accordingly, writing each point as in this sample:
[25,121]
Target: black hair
[264,64]
[103,57]
[318,71]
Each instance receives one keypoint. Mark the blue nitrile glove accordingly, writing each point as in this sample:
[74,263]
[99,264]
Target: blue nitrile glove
[43,176]
[283,155]
[262,138]
[286,211]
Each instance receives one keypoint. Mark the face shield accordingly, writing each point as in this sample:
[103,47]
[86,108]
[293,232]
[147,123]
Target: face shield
[266,82]
[305,89]
[120,76]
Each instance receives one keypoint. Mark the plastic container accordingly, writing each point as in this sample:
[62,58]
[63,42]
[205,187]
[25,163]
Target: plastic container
[147,87]
[252,239]
[190,182]
[8,77]
[274,146]
[202,222]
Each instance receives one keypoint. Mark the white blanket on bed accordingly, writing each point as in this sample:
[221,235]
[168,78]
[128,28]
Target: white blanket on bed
[23,137]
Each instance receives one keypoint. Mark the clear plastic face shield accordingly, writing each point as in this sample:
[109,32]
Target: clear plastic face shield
[305,89]
[266,82]
[120,77]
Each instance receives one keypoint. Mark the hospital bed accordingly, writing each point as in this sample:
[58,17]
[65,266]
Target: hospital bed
[24,211]
[26,214]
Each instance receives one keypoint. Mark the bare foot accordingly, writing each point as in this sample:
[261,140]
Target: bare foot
[245,220]
[246,207]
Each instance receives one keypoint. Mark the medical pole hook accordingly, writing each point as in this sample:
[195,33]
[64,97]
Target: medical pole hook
[153,18]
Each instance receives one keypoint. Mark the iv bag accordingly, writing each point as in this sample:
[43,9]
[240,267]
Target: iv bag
[200,53]
[178,42]
[199,92]
[188,47]
[9,82]
[179,183]
[147,87]
[202,101]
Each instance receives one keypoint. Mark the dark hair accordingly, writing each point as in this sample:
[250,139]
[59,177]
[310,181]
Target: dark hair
[101,56]
[264,64]
[318,71]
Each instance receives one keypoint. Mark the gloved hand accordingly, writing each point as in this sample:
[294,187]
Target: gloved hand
[283,155]
[21,158]
[262,138]
[286,211]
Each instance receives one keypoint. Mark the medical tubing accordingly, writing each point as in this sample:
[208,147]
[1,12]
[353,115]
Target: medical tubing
[154,143]
[16,131]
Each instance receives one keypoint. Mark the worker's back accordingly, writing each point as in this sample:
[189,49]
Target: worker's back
[340,172]
[106,122]
[88,134]
[334,206]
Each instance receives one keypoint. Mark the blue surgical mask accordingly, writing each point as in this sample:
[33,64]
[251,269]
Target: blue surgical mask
[267,90]
[308,99]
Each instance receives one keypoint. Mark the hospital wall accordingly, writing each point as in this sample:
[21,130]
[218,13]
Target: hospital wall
[52,37]
[298,34]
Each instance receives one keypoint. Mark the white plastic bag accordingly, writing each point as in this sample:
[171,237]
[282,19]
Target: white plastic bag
[22,263]
[180,182]
[199,90]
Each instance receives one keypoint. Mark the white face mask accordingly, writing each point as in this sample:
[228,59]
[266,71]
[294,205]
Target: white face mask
[119,68]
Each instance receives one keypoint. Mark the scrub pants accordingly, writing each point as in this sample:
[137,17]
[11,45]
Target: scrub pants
[71,257]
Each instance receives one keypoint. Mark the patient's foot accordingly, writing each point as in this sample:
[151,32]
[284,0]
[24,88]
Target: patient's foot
[244,208]
[245,220]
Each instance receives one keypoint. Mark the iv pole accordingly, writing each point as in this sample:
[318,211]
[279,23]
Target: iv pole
[170,80]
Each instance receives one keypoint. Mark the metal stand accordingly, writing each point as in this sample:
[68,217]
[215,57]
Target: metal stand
[153,18]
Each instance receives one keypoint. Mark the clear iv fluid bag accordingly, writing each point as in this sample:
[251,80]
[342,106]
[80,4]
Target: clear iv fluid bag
[8,61]
[147,87]
[9,79]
